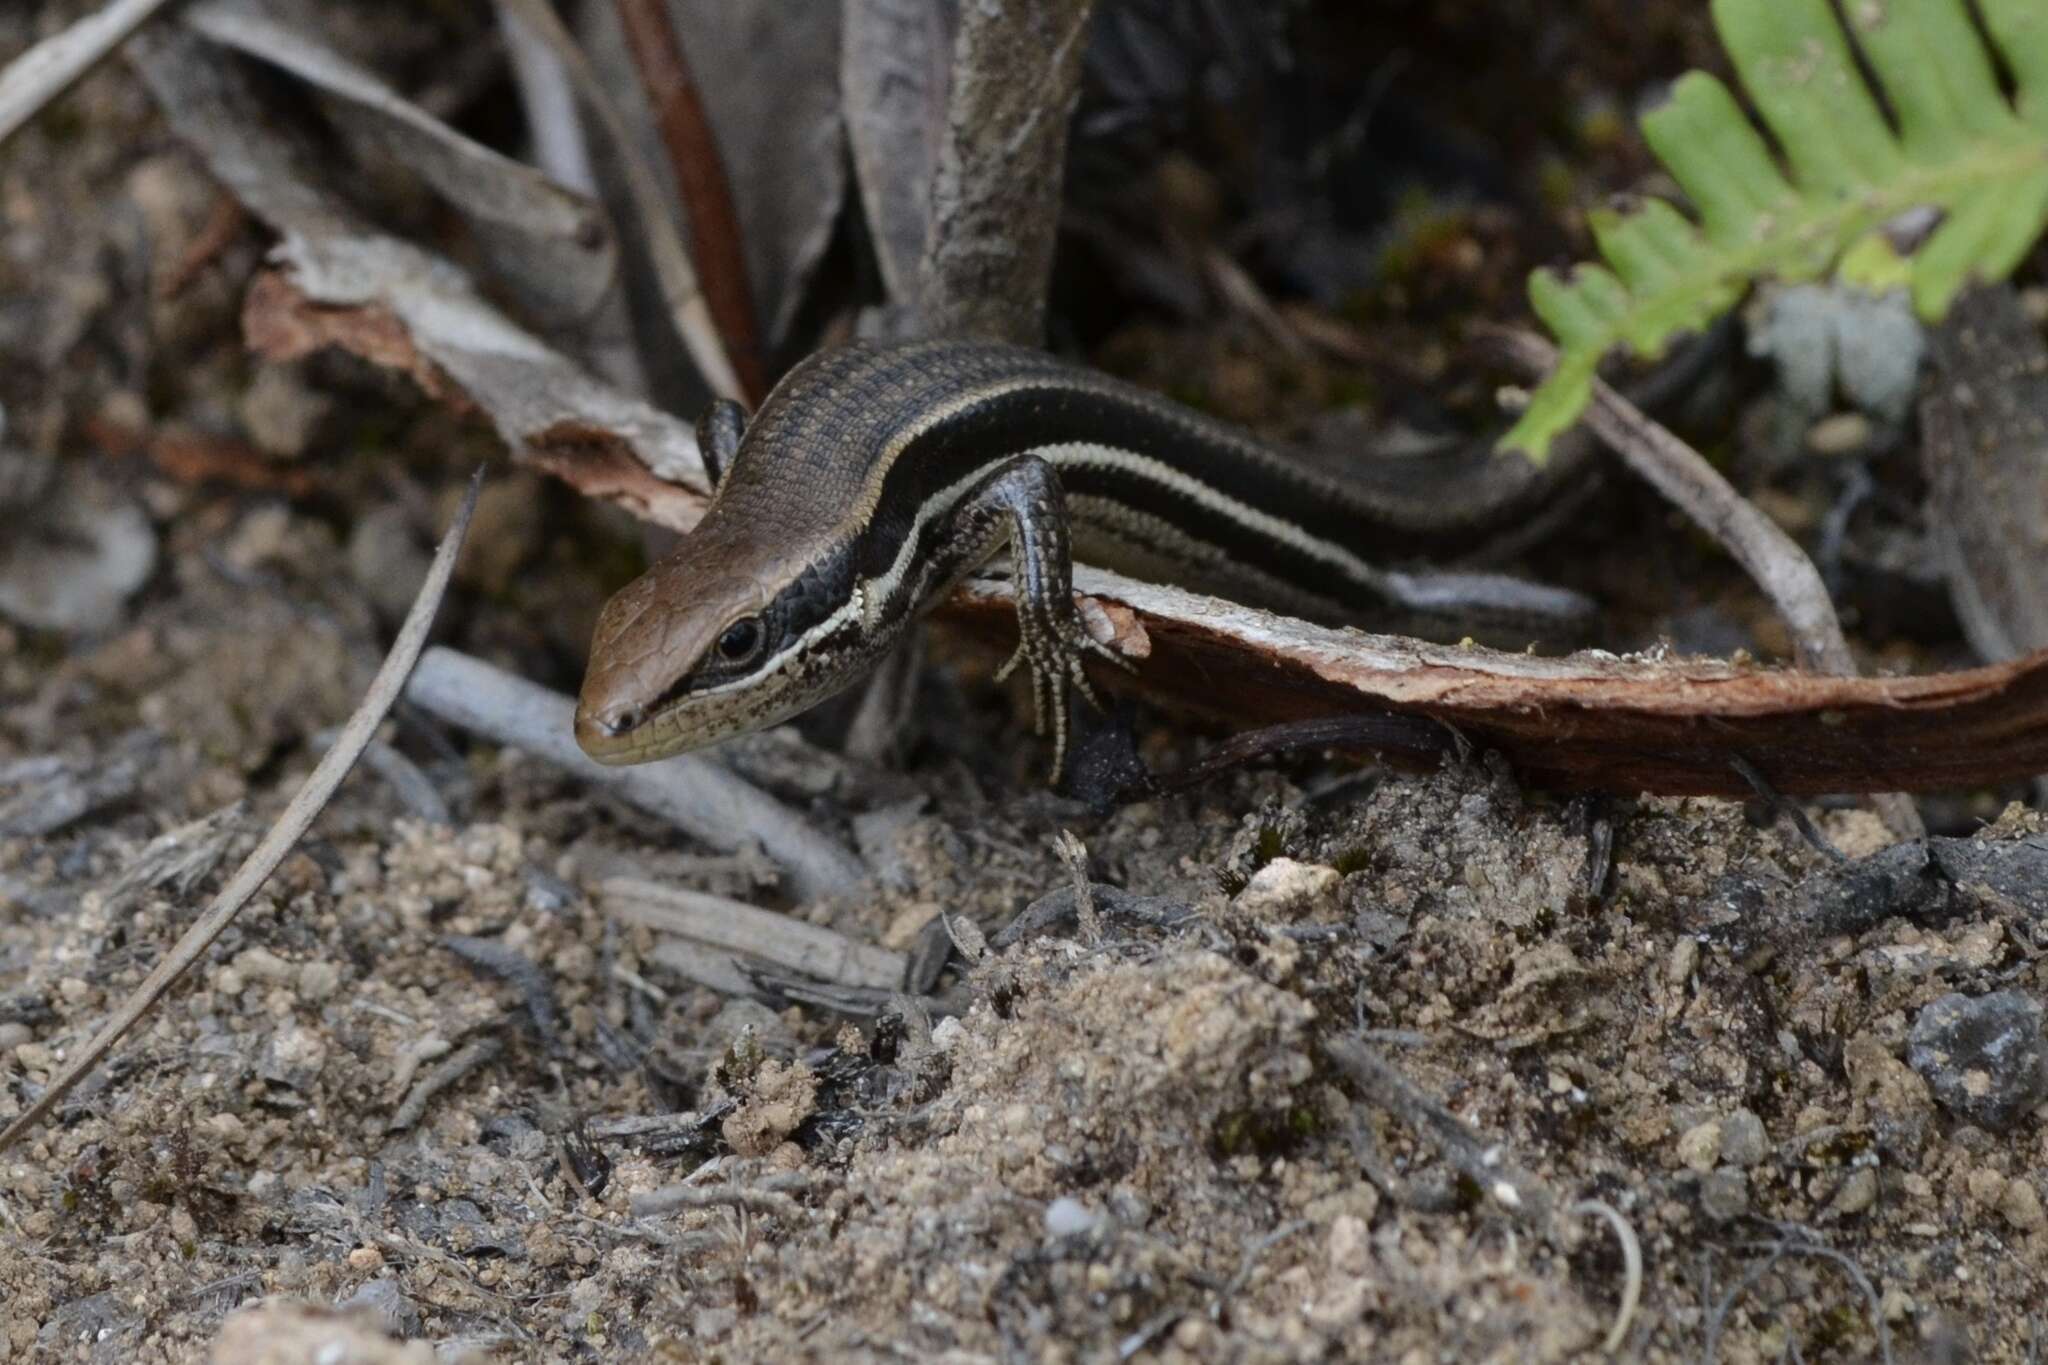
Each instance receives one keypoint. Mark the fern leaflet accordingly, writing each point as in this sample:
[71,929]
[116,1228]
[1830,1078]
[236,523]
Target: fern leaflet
[1960,148]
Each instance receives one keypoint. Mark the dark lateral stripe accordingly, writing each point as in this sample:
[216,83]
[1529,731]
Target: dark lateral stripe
[1060,410]
[1211,526]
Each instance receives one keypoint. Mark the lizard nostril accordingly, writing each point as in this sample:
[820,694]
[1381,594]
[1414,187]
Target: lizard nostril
[624,719]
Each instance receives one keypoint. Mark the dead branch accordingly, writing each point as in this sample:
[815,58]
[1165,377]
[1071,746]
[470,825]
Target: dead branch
[766,1197]
[1519,1193]
[736,927]
[476,1053]
[688,308]
[1982,443]
[1772,559]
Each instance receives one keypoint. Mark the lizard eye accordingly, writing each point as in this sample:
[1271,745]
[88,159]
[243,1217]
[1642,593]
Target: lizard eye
[741,640]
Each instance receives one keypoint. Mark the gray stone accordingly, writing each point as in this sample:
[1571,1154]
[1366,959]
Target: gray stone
[1983,1058]
[1743,1140]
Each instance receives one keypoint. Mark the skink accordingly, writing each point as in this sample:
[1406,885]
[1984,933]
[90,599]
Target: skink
[875,477]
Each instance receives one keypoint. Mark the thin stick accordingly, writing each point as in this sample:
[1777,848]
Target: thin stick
[1769,556]
[298,816]
[1772,559]
[689,311]
[736,927]
[549,96]
[1486,1164]
[701,182]
[472,1055]
[49,68]
[670,1198]
[695,794]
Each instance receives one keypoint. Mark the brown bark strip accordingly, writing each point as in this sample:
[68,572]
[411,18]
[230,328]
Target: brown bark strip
[599,464]
[700,181]
[1585,721]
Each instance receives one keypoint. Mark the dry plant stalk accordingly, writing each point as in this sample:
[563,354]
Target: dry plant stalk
[701,183]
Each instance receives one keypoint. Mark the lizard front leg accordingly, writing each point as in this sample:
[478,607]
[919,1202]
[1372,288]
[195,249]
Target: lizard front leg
[1022,504]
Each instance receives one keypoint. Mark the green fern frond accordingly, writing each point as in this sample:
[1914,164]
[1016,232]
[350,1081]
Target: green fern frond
[1960,147]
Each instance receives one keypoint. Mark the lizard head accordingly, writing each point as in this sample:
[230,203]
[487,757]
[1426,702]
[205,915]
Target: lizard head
[730,633]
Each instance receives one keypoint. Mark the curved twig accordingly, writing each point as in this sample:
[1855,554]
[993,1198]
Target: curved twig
[1631,1267]
[1772,559]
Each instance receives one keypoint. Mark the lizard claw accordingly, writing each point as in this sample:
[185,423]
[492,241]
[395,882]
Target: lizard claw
[1057,647]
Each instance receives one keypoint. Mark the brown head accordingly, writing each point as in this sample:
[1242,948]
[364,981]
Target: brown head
[754,617]
[732,632]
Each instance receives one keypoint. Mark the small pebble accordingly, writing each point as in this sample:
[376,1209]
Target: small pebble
[1286,889]
[2020,1206]
[1744,1142]
[260,964]
[1685,960]
[13,1035]
[1350,1245]
[281,412]
[318,980]
[1858,1192]
[386,560]
[1986,1186]
[1069,1217]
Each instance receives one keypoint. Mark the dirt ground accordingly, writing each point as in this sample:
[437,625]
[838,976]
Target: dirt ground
[1129,1140]
[1401,1067]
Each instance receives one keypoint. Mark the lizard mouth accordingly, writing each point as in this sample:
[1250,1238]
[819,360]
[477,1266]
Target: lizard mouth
[616,735]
